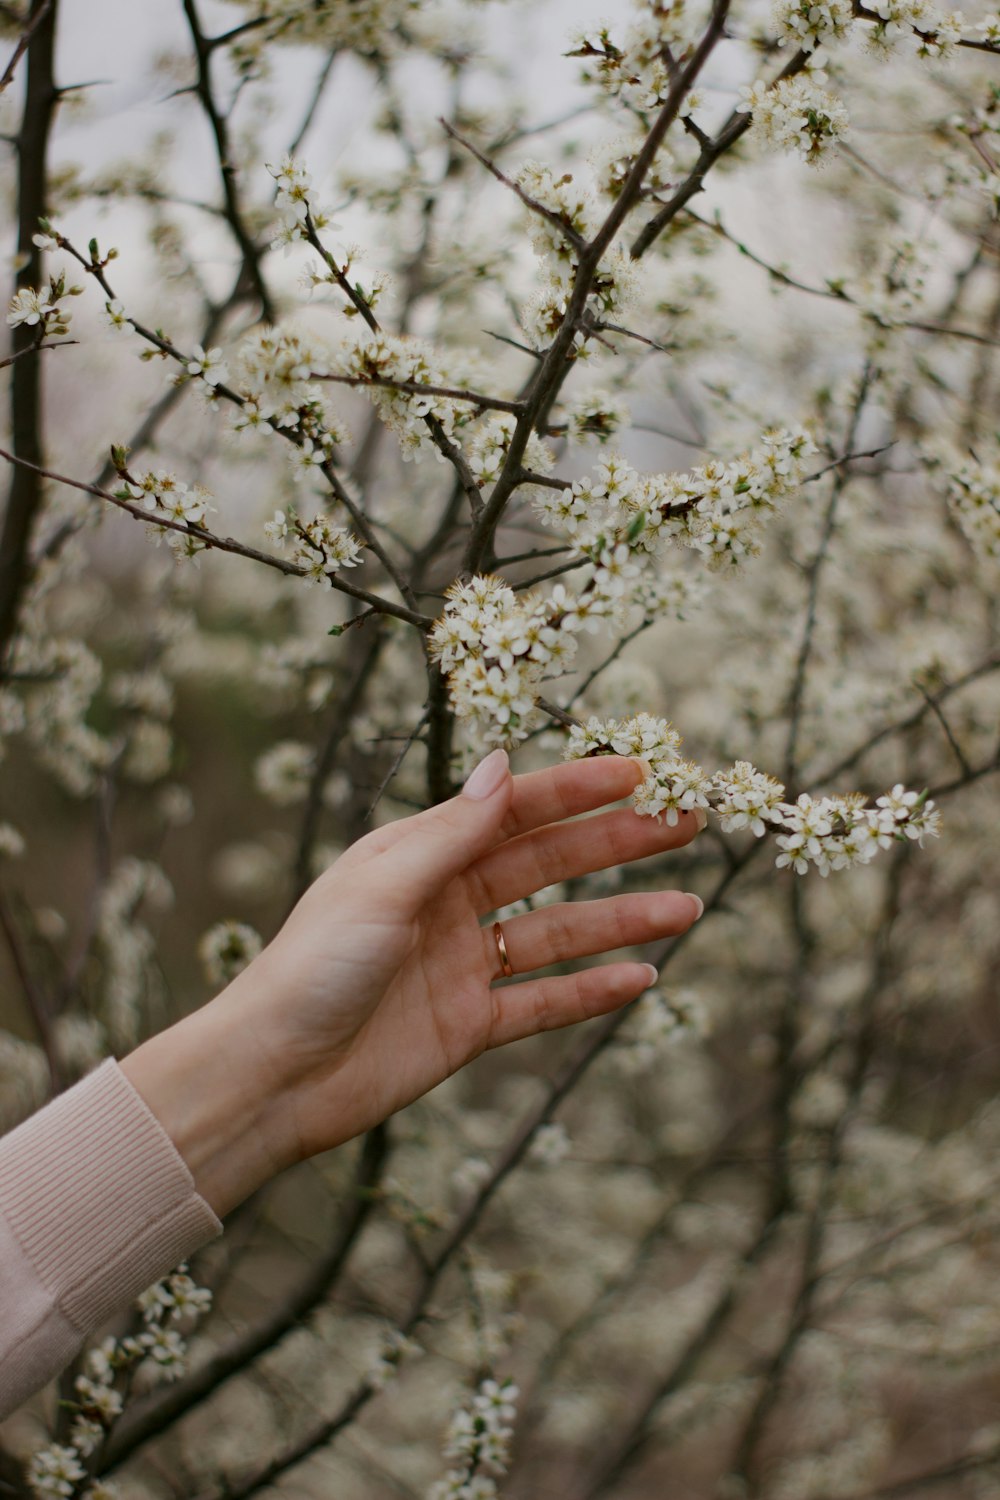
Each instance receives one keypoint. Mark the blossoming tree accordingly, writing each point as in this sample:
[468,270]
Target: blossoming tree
[576,424]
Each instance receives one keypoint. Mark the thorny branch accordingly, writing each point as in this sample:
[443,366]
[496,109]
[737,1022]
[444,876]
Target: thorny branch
[24,501]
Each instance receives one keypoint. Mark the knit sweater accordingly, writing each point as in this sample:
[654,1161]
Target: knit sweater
[95,1204]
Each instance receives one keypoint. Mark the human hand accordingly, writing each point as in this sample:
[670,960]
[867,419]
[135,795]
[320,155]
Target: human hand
[379,984]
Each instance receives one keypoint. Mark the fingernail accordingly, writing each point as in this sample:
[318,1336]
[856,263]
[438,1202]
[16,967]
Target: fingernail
[487,776]
[653,972]
[702,817]
[699,903]
[644,766]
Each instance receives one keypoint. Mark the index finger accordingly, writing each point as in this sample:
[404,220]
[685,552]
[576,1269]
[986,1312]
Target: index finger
[575,786]
[538,798]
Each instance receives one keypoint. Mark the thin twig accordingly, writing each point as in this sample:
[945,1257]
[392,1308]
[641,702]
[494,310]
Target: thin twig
[938,713]
[418,388]
[24,42]
[400,756]
[229,544]
[566,230]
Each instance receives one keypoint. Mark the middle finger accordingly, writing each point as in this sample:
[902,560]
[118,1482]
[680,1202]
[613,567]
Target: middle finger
[562,851]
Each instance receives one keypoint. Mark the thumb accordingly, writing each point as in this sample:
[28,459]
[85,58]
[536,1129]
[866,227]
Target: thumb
[445,839]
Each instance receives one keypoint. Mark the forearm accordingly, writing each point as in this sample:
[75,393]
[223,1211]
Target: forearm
[211,1082]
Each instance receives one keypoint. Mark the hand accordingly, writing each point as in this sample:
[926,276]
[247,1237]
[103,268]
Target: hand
[379,984]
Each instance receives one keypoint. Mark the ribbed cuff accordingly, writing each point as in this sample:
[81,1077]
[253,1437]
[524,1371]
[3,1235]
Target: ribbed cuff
[99,1198]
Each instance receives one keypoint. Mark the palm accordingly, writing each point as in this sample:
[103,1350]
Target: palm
[440,1000]
[387,976]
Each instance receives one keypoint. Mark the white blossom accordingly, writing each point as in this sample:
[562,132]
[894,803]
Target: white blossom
[165,1351]
[282,774]
[394,1347]
[226,949]
[550,1145]
[208,365]
[55,1471]
[12,843]
[42,309]
[115,316]
[470,1174]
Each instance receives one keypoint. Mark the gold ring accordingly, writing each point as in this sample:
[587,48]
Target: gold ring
[502,950]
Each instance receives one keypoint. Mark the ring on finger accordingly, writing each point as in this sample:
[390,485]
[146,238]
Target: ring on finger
[505,965]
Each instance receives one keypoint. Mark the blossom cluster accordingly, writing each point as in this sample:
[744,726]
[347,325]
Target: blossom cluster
[809,25]
[486,451]
[479,1436]
[931,32]
[659,1019]
[828,833]
[596,414]
[972,488]
[382,361]
[294,204]
[127,945]
[377,28]
[148,699]
[577,218]
[275,372]
[796,114]
[57,1472]
[612,162]
[24,1079]
[163,495]
[54,711]
[715,508]
[321,546]
[496,646]
[636,69]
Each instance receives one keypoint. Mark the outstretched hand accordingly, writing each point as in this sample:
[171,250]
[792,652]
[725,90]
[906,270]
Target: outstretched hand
[380,983]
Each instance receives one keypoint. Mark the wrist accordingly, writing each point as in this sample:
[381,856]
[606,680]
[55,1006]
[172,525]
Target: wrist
[209,1082]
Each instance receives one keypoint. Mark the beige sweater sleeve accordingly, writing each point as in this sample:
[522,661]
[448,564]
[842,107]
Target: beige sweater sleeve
[95,1204]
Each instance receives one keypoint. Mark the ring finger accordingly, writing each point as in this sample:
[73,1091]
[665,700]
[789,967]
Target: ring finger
[573,929]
